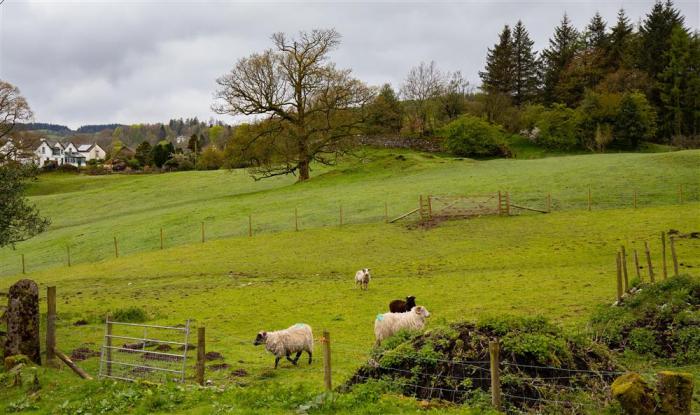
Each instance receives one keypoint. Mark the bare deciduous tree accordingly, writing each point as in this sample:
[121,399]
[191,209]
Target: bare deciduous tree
[423,83]
[310,108]
[13,108]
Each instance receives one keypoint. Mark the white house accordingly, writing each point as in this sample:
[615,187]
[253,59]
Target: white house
[92,151]
[54,151]
[49,151]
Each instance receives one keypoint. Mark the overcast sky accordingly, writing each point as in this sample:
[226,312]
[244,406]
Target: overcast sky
[90,62]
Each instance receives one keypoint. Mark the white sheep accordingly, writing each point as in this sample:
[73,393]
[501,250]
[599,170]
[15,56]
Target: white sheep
[362,278]
[387,324]
[295,339]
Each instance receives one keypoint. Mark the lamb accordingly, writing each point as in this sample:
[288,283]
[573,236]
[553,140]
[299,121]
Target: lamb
[387,324]
[295,339]
[362,278]
[401,306]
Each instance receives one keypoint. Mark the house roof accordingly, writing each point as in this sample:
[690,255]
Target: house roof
[52,143]
[85,147]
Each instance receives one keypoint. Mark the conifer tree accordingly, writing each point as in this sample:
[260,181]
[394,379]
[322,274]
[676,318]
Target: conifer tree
[525,66]
[562,49]
[596,35]
[618,48]
[497,78]
[655,34]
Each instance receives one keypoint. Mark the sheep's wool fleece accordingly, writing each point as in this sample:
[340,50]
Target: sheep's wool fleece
[297,338]
[387,324]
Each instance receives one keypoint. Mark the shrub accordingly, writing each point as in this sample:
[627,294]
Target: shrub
[130,315]
[559,128]
[643,340]
[472,136]
[210,159]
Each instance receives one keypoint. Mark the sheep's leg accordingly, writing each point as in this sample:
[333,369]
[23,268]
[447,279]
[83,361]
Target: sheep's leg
[296,358]
[277,361]
[294,362]
[309,356]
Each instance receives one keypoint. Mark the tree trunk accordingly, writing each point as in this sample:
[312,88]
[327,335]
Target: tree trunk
[22,318]
[303,170]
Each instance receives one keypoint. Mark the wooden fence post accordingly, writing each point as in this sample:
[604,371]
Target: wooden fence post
[673,255]
[494,352]
[500,204]
[50,325]
[549,202]
[507,203]
[420,204]
[430,208]
[619,277]
[68,253]
[664,270]
[24,269]
[250,225]
[651,269]
[296,219]
[108,351]
[201,344]
[635,198]
[161,238]
[203,239]
[589,197]
[636,265]
[386,212]
[326,340]
[680,193]
[116,248]
[623,259]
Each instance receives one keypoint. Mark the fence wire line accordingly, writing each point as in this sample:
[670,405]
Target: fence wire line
[569,200]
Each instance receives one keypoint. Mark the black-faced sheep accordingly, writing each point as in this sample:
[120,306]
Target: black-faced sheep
[401,306]
[295,339]
[362,278]
[387,324]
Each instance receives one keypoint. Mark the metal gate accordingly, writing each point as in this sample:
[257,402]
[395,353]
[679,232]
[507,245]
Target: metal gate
[154,353]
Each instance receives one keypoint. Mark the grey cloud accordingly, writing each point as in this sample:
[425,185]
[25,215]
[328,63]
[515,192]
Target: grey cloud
[80,62]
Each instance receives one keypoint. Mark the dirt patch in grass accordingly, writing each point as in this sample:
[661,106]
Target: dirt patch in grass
[82,353]
[218,366]
[213,356]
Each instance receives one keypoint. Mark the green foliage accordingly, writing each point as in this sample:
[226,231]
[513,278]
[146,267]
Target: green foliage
[660,320]
[143,154]
[19,220]
[384,114]
[210,159]
[130,315]
[559,128]
[161,152]
[471,136]
[642,340]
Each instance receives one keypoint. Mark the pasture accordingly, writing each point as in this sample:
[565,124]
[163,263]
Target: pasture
[560,265]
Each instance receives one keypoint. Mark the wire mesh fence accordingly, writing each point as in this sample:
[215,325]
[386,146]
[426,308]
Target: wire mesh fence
[94,245]
[155,353]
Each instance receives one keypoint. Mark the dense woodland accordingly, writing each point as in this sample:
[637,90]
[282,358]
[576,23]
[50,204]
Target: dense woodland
[608,85]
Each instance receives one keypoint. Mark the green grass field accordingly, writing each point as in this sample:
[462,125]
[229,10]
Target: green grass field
[560,265]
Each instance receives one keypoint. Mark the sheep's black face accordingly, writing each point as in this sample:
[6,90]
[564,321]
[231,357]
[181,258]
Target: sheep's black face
[411,299]
[261,338]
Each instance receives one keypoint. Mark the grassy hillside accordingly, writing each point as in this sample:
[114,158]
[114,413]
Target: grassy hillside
[560,265]
[88,211]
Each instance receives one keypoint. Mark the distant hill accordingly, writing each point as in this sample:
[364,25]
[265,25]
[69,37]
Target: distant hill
[96,128]
[54,128]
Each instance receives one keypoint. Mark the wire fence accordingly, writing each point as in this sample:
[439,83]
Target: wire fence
[96,245]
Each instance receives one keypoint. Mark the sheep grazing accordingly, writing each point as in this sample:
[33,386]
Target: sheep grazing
[362,278]
[387,324]
[295,339]
[401,306]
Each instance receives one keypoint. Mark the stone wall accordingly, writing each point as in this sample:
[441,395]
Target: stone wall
[431,145]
